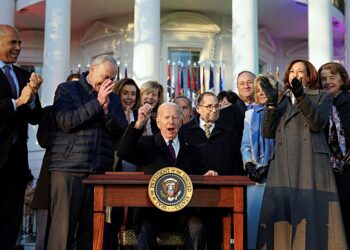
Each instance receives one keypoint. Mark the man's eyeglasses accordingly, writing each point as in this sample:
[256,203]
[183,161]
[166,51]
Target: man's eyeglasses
[211,107]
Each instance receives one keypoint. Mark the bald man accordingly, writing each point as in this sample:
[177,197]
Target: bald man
[19,105]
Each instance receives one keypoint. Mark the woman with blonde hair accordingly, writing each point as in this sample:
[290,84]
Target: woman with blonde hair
[152,95]
[256,152]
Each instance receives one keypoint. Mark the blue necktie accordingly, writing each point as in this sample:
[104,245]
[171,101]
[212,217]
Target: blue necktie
[9,77]
[171,149]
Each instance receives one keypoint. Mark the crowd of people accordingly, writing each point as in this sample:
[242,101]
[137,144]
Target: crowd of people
[292,140]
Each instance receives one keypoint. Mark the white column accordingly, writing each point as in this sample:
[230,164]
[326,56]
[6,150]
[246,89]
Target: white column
[320,32]
[56,47]
[7,12]
[146,58]
[245,55]
[347,35]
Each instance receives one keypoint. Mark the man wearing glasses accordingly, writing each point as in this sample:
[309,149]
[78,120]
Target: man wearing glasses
[218,143]
[219,150]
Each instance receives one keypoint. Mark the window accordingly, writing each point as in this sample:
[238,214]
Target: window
[184,55]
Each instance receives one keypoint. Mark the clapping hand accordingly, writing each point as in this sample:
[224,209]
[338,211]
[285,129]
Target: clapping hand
[103,94]
[270,92]
[35,82]
[296,86]
[29,91]
[26,96]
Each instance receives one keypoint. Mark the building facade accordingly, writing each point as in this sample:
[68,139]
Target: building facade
[63,36]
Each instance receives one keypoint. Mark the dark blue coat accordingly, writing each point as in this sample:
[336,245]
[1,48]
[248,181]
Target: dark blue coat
[84,142]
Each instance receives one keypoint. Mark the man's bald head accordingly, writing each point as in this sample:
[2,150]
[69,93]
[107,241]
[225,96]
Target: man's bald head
[10,44]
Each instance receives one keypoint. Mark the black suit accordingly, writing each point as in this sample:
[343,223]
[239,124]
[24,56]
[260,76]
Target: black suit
[151,152]
[221,152]
[14,169]
[233,116]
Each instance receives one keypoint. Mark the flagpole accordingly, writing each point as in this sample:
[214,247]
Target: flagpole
[188,92]
[118,70]
[172,79]
[125,70]
[168,81]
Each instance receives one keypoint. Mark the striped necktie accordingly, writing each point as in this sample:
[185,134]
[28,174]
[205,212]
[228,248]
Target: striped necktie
[207,127]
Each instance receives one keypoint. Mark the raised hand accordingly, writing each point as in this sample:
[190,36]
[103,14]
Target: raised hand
[35,82]
[296,86]
[144,114]
[270,92]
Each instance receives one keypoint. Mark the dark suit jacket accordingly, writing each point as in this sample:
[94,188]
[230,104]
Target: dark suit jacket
[233,116]
[151,152]
[15,122]
[45,134]
[221,152]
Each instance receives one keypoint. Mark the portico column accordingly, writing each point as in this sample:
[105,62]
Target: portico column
[245,54]
[56,47]
[347,35]
[320,32]
[146,41]
[7,12]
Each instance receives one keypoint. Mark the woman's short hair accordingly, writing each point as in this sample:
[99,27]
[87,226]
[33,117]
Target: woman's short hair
[151,86]
[336,68]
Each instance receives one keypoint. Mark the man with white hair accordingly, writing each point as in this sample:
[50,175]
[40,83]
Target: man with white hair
[165,148]
[89,119]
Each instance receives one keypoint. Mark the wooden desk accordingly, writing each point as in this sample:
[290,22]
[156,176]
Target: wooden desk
[131,190]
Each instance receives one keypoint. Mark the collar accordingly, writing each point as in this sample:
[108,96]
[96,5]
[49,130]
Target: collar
[246,103]
[175,141]
[202,123]
[2,64]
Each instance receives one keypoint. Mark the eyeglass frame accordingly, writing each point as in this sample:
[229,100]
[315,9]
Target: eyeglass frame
[210,107]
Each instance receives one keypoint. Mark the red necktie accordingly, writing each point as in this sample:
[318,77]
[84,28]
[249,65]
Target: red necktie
[171,149]
[11,80]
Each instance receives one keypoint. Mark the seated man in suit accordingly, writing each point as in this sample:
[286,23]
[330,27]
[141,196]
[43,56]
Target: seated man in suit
[152,152]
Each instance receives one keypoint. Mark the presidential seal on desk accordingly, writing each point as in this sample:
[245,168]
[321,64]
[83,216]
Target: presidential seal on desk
[170,189]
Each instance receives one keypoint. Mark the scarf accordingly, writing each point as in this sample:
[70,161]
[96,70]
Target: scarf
[262,147]
[336,141]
